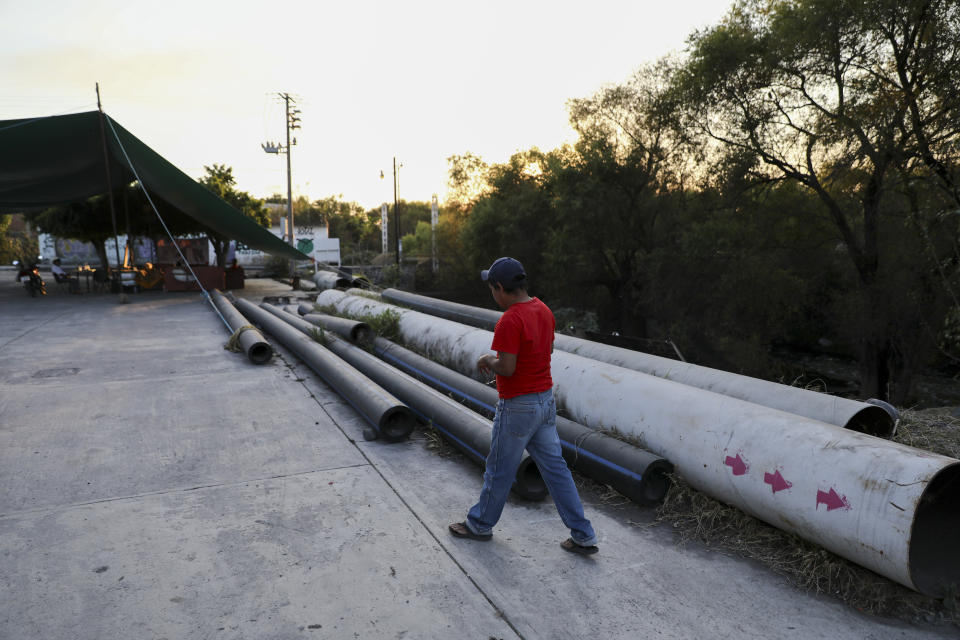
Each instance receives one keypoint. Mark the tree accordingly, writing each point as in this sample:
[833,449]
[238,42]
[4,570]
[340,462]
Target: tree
[420,242]
[219,179]
[88,220]
[855,101]
[512,218]
[14,245]
[614,194]
[467,179]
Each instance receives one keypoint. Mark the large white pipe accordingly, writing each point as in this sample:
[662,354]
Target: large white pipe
[891,508]
[330,280]
[843,412]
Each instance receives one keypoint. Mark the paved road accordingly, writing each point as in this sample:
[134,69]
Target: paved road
[155,485]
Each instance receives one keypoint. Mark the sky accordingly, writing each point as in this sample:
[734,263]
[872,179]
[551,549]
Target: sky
[416,80]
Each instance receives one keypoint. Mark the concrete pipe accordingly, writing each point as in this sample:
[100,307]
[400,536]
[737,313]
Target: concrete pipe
[465,429]
[859,416]
[637,474]
[353,330]
[330,280]
[252,342]
[389,417]
[891,508]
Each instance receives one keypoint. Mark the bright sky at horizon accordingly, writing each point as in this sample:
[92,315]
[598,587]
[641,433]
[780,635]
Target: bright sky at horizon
[421,80]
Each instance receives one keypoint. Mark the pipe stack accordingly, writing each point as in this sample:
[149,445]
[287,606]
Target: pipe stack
[635,473]
[859,416]
[891,508]
[386,414]
[468,431]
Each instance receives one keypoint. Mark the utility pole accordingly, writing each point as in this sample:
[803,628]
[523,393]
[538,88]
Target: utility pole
[291,123]
[106,165]
[434,221]
[396,213]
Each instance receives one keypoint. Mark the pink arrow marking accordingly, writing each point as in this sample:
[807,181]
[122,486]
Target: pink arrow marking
[833,500]
[737,464]
[776,481]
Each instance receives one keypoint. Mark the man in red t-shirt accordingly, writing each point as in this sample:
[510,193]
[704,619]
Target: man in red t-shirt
[526,412]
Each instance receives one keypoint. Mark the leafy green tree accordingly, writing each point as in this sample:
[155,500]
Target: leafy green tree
[219,179]
[87,220]
[614,194]
[512,218]
[856,102]
[466,179]
[420,242]
[14,246]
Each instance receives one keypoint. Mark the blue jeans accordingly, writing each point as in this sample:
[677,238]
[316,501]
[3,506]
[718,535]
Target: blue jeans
[528,421]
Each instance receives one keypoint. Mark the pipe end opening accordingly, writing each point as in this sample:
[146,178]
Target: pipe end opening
[362,334]
[397,423]
[873,421]
[528,483]
[934,552]
[260,353]
[656,481]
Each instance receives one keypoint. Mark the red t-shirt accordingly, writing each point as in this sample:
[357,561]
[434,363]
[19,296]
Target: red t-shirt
[525,329]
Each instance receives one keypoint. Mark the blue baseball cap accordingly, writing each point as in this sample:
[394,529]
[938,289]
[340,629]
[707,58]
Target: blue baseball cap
[506,271]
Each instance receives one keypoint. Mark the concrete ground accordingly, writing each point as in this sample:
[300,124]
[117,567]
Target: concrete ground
[155,485]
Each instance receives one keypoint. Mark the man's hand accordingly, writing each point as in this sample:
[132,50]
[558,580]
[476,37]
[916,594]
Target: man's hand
[502,364]
[486,363]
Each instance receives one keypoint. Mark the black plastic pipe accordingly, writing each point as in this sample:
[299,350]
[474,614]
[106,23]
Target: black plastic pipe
[355,331]
[638,474]
[389,416]
[462,313]
[258,350]
[465,429]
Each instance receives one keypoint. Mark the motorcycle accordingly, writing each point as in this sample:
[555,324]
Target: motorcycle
[29,275]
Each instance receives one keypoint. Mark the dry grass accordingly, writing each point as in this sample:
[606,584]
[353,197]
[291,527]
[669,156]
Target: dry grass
[437,444]
[233,342]
[696,517]
[932,430]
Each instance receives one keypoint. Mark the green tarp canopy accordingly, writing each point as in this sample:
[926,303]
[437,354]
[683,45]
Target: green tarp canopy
[59,159]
